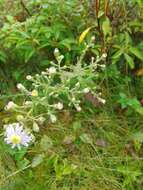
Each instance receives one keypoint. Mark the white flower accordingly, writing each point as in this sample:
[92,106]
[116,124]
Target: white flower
[10,105]
[16,136]
[86,90]
[59,106]
[53,118]
[29,77]
[52,70]
[36,127]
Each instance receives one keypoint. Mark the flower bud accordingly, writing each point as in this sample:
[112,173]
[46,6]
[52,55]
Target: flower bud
[10,105]
[53,118]
[59,106]
[93,38]
[104,55]
[43,73]
[52,70]
[28,103]
[86,90]
[77,84]
[34,93]
[41,120]
[56,52]
[37,75]
[78,108]
[103,101]
[20,118]
[35,127]
[21,87]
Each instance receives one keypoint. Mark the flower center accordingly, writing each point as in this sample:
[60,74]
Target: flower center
[15,139]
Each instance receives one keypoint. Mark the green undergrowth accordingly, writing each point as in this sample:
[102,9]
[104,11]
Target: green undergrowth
[101,152]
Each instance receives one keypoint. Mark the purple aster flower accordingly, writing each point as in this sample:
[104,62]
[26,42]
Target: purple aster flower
[16,136]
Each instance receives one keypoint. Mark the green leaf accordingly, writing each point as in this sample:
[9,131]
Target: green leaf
[17,74]
[129,60]
[20,154]
[134,103]
[46,143]
[85,138]
[123,100]
[136,52]
[2,57]
[29,54]
[106,27]
[23,163]
[138,136]
[116,56]
[84,34]
[67,43]
[76,125]
[38,159]
[139,110]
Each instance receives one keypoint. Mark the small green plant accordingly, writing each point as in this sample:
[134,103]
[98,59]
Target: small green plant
[132,103]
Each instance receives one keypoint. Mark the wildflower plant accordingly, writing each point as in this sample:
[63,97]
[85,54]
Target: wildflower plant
[58,88]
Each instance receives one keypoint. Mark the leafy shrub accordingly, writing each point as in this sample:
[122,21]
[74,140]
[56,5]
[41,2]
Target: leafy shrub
[30,43]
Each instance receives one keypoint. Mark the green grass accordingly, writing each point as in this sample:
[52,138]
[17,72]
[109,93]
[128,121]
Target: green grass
[103,148]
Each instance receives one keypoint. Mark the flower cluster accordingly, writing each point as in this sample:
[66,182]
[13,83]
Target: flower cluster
[56,89]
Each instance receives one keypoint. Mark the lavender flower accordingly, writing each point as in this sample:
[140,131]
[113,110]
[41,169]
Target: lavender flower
[16,136]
